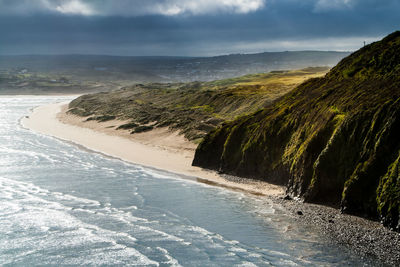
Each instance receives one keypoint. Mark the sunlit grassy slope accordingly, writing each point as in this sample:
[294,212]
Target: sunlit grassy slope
[193,108]
[333,140]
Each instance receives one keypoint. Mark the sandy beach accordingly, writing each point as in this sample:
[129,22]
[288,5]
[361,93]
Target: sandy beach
[166,150]
[159,148]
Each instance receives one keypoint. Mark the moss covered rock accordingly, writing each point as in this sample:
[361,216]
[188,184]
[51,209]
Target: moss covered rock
[333,140]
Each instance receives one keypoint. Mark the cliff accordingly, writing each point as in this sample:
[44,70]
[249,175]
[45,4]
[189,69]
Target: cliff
[333,140]
[191,108]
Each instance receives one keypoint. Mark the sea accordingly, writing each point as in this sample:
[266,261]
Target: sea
[64,205]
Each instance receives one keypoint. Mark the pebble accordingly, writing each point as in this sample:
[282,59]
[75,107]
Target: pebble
[366,238]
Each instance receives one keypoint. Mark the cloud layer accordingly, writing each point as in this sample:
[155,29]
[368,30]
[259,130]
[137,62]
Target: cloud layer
[326,5]
[131,7]
[191,27]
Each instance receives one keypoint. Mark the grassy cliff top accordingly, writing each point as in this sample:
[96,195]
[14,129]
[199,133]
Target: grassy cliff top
[193,108]
[377,60]
[333,139]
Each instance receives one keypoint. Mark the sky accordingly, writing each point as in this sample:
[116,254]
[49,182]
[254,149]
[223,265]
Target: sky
[191,27]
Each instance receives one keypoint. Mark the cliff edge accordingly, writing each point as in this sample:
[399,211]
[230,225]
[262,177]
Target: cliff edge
[333,140]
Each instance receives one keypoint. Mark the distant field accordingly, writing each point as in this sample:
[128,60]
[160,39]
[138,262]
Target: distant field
[17,82]
[131,70]
[79,74]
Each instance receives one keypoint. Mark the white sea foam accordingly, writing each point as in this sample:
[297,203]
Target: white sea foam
[246,264]
[30,213]
[158,174]
[237,249]
[67,222]
[32,155]
[170,260]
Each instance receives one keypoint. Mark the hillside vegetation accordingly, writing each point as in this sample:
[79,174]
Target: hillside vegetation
[332,140]
[192,108]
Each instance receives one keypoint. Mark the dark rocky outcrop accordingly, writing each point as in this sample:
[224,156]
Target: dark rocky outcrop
[333,140]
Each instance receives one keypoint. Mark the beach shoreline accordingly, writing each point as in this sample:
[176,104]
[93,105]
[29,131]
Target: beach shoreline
[362,236]
[160,148]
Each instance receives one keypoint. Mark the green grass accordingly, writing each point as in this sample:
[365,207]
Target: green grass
[191,107]
[331,140]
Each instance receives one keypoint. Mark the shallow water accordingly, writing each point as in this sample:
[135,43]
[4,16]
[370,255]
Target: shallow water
[62,205]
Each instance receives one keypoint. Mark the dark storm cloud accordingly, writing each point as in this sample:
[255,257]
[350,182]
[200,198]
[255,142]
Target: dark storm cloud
[129,7]
[268,25]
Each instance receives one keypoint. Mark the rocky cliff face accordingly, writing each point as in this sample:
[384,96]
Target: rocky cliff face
[332,140]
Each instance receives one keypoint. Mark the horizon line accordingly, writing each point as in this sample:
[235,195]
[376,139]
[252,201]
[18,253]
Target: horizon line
[175,56]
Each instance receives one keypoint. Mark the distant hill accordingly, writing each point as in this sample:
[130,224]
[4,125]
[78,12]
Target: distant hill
[192,108]
[333,140]
[168,69]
